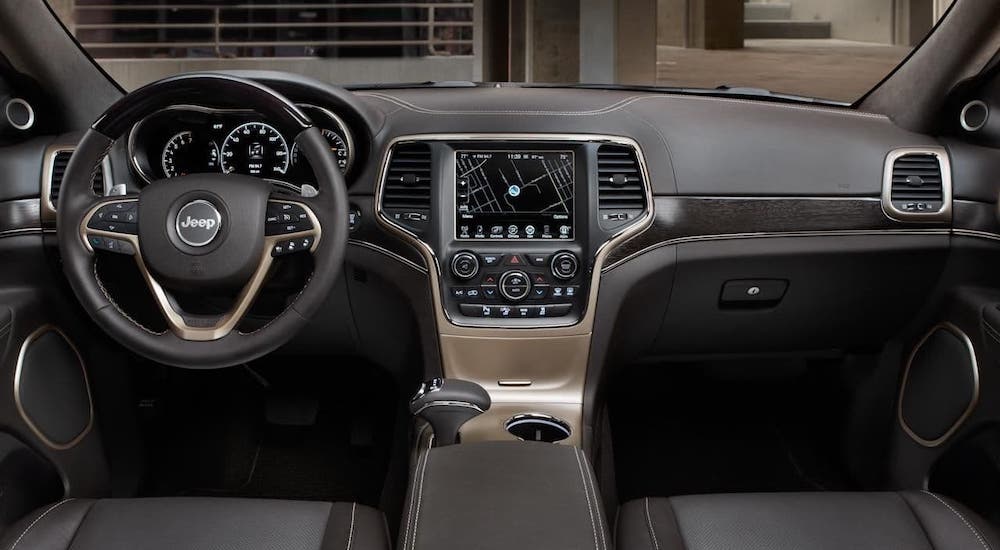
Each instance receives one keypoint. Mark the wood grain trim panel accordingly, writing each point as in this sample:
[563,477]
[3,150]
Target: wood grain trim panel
[18,216]
[690,218]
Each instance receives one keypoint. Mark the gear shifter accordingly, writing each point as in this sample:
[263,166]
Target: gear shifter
[447,404]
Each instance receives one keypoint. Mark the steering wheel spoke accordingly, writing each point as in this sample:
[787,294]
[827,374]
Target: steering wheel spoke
[112,226]
[290,227]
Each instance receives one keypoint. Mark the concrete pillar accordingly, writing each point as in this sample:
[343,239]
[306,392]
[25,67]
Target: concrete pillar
[598,29]
[715,24]
[635,47]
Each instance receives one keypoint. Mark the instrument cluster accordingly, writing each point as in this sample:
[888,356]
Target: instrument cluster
[189,139]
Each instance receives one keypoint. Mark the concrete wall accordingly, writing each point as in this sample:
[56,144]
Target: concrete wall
[555,39]
[132,73]
[863,20]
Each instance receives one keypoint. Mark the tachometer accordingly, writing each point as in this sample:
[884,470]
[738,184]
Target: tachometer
[182,155]
[255,149]
[338,146]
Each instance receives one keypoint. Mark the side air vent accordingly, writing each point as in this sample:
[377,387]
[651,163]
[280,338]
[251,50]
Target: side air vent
[60,160]
[917,184]
[621,193]
[406,194]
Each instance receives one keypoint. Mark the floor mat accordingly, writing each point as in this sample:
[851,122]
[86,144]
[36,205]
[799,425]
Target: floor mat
[696,428]
[210,436]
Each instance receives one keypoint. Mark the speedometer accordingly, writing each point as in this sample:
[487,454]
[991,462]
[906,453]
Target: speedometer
[255,149]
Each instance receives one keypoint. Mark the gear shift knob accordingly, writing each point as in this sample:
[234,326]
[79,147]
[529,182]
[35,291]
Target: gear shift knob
[447,404]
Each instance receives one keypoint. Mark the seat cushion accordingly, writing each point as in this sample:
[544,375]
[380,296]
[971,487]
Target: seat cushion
[198,524]
[792,521]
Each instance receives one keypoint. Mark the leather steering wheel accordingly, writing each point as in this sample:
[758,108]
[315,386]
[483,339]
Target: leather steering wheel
[202,233]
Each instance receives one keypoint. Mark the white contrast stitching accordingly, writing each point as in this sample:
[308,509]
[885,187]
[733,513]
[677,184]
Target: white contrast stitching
[413,494]
[39,518]
[420,496]
[649,524]
[597,502]
[350,534]
[586,494]
[961,517]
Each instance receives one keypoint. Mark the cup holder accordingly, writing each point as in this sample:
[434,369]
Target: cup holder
[537,427]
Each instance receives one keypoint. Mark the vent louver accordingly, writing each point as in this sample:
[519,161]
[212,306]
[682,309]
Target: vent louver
[60,160]
[621,193]
[406,194]
[917,184]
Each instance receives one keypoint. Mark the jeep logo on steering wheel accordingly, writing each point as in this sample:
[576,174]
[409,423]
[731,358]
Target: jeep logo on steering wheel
[198,222]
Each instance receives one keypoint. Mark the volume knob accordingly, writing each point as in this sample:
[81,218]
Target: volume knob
[465,265]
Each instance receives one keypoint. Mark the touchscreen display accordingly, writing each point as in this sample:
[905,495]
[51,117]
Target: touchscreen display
[514,194]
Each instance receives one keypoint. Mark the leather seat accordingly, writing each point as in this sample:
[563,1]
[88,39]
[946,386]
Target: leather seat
[793,521]
[198,524]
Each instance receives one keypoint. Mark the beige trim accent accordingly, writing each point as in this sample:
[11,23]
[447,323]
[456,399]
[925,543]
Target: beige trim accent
[555,357]
[226,323]
[17,390]
[944,214]
[48,208]
[975,391]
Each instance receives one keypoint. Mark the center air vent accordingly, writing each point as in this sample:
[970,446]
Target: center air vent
[621,193]
[406,195]
[60,160]
[917,184]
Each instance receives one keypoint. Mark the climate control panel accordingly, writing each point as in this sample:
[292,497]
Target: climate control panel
[514,285]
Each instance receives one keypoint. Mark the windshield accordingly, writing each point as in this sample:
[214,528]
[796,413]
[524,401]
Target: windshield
[831,49]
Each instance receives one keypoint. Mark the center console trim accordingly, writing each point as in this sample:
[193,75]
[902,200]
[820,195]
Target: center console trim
[448,326]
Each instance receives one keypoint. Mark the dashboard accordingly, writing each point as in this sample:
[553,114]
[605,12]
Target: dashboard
[188,139]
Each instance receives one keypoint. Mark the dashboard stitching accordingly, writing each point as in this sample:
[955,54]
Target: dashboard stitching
[416,108]
[622,104]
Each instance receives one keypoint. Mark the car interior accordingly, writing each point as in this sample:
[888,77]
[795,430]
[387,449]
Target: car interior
[251,309]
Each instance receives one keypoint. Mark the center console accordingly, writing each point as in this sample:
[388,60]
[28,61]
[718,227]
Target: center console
[515,230]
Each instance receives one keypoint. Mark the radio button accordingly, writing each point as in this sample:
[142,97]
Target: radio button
[490,260]
[538,260]
[539,292]
[564,265]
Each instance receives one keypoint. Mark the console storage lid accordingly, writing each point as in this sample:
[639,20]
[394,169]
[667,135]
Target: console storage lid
[503,495]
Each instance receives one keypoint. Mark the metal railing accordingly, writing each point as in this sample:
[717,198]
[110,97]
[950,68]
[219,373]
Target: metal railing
[431,28]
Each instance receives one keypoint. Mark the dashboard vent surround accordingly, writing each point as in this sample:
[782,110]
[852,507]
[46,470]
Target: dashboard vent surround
[406,193]
[917,184]
[60,160]
[621,192]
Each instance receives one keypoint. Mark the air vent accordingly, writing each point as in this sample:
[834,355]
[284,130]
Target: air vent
[917,184]
[621,194]
[406,195]
[60,160]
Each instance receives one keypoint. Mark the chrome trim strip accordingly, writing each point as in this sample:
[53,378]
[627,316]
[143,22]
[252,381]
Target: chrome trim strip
[31,113]
[391,254]
[17,390]
[48,209]
[763,235]
[965,110]
[975,390]
[339,122]
[446,325]
[460,404]
[944,214]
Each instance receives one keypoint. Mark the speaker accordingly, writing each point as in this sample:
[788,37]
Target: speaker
[51,390]
[940,386]
[975,114]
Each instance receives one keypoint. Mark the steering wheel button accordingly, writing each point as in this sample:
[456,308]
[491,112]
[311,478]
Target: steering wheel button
[272,219]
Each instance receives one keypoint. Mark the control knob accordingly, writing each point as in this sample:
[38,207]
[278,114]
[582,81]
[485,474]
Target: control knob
[564,265]
[514,285]
[465,265]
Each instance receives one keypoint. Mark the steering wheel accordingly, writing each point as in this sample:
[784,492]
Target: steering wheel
[203,234]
